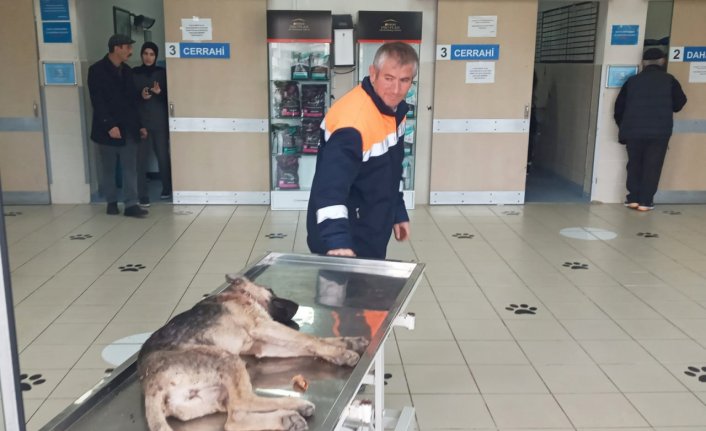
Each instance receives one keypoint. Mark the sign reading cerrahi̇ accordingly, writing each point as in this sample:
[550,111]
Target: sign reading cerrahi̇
[219,50]
[468,52]
[381,26]
[299,26]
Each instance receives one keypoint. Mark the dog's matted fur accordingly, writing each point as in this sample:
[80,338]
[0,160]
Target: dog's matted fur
[191,367]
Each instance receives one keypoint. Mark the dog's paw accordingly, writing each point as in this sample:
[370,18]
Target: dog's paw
[349,357]
[306,408]
[294,422]
[357,344]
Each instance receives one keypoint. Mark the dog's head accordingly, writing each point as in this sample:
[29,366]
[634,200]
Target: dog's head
[280,309]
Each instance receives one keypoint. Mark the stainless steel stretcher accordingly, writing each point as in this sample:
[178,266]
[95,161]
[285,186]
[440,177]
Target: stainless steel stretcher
[337,297]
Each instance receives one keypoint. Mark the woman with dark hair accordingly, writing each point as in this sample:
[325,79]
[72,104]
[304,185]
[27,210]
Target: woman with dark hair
[152,82]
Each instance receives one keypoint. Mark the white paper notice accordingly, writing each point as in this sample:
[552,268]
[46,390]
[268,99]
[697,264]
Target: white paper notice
[697,72]
[480,72]
[196,29]
[482,26]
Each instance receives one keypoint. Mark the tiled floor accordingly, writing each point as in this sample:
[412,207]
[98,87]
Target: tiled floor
[518,326]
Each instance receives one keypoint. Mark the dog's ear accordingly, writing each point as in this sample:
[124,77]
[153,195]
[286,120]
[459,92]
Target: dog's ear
[234,279]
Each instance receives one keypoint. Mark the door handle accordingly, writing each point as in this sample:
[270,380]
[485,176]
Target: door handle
[35,109]
[171,109]
[527,111]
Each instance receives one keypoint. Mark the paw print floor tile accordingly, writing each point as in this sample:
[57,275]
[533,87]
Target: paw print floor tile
[696,372]
[575,265]
[131,267]
[521,309]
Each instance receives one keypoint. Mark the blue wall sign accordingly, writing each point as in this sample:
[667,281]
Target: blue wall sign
[695,53]
[692,54]
[54,10]
[625,35]
[474,52]
[56,32]
[204,50]
[59,74]
[617,75]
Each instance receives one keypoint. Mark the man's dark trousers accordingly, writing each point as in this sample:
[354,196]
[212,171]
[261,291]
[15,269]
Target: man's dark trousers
[645,160]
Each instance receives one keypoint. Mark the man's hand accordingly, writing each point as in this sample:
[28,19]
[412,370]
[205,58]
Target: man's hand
[115,133]
[401,231]
[341,252]
[143,133]
[146,93]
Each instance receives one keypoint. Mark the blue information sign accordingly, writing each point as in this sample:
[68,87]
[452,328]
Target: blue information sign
[59,74]
[617,75]
[204,50]
[695,53]
[475,52]
[54,10]
[624,35]
[56,32]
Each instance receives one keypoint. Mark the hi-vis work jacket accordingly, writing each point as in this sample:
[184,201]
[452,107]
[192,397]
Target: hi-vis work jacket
[355,197]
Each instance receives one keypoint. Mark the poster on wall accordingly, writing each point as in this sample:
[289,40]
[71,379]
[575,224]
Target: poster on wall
[617,75]
[59,74]
[624,35]
[483,26]
[697,73]
[480,72]
[56,32]
[196,29]
[54,10]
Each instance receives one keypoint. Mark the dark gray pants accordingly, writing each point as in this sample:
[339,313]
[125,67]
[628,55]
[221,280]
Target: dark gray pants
[157,141]
[109,155]
[645,160]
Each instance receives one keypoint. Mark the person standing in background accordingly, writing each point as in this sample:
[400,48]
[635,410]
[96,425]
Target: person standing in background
[116,126]
[151,80]
[644,112]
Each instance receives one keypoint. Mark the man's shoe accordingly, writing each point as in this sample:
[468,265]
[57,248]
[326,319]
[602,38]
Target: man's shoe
[165,195]
[112,208]
[135,211]
[631,205]
[144,202]
[645,208]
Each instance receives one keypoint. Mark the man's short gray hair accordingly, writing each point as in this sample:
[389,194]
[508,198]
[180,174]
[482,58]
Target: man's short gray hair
[400,51]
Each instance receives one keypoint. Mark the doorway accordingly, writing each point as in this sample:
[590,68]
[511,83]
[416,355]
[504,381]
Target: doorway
[98,20]
[564,109]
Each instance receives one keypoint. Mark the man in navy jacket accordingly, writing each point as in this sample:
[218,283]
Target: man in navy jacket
[116,126]
[644,113]
[355,202]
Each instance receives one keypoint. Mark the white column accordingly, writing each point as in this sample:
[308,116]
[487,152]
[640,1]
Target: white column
[610,157]
[65,135]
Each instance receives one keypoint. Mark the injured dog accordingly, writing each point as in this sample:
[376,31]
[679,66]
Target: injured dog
[191,367]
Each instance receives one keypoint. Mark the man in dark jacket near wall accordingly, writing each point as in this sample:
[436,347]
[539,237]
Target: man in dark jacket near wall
[116,126]
[644,114]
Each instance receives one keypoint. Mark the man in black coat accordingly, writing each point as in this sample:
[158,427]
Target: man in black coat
[644,112]
[116,126]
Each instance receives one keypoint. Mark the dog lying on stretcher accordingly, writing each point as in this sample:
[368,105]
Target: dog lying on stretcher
[191,367]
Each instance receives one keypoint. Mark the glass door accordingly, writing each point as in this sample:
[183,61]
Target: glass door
[299,44]
[374,29]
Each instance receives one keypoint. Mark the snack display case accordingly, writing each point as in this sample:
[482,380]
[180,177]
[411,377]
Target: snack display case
[299,46]
[374,29]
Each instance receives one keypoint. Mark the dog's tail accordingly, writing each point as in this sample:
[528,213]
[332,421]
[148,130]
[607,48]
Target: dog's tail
[154,412]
